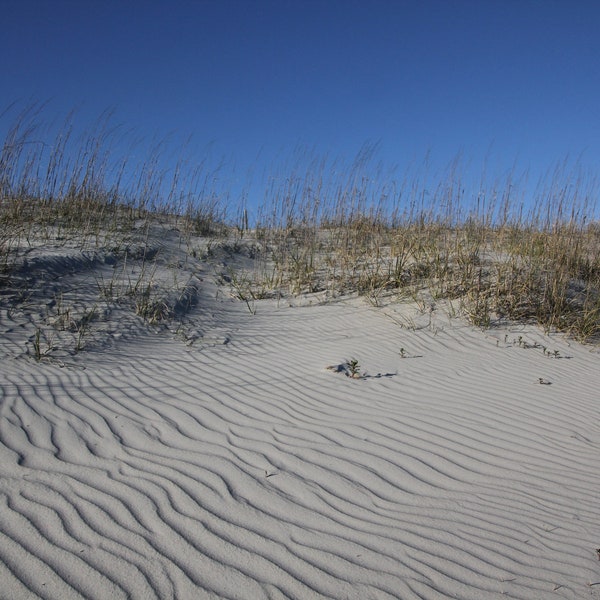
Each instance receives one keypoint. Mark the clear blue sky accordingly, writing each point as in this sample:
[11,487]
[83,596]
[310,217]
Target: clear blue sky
[502,82]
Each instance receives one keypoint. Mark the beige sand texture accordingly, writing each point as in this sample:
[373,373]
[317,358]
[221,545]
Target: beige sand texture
[221,458]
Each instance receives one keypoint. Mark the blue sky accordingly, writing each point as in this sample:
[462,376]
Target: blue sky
[502,83]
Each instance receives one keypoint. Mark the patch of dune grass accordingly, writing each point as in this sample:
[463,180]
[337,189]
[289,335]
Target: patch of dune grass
[321,228]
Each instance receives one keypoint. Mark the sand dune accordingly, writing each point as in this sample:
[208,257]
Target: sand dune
[222,459]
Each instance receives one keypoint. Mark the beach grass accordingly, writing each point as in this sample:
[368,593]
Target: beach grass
[317,231]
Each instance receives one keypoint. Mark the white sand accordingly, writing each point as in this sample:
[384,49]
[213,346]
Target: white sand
[224,460]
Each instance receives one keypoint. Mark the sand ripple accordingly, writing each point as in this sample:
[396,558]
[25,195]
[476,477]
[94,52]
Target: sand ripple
[246,469]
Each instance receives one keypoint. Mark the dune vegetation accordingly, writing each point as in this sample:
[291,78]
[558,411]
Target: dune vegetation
[321,229]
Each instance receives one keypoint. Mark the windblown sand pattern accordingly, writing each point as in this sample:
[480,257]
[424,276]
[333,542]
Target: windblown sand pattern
[234,464]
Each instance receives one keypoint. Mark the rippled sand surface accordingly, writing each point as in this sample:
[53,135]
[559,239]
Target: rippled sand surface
[233,463]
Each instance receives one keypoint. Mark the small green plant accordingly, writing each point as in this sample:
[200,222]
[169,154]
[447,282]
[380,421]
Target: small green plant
[82,327]
[353,368]
[402,353]
[42,344]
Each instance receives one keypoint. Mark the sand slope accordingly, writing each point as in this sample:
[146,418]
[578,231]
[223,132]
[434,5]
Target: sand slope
[224,460]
